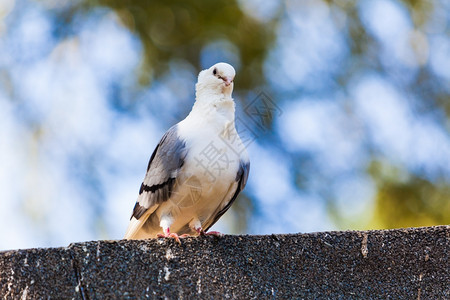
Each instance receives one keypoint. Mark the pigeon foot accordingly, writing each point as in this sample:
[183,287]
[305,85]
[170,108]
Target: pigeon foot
[200,231]
[170,235]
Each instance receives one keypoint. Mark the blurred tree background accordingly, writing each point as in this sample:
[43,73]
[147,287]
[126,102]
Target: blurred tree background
[357,135]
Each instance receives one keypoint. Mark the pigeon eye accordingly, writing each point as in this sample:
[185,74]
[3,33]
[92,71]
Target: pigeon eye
[215,71]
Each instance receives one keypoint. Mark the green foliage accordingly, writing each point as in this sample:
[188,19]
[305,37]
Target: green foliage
[405,200]
[179,30]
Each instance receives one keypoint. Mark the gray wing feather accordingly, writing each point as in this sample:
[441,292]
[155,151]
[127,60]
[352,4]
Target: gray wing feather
[241,178]
[162,170]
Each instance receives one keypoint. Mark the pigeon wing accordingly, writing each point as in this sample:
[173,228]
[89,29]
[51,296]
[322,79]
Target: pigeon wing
[159,182]
[241,181]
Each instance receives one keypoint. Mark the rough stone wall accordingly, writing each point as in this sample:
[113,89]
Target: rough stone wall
[398,264]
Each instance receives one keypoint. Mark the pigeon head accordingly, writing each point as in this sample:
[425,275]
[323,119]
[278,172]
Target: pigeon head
[217,79]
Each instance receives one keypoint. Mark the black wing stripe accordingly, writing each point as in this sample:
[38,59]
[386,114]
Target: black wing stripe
[155,187]
[159,182]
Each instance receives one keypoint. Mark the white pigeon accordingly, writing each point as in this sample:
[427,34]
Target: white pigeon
[198,168]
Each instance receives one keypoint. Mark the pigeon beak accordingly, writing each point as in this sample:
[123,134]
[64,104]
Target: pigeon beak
[228,81]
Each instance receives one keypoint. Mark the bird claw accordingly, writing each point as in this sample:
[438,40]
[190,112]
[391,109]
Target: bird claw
[200,231]
[214,233]
[170,235]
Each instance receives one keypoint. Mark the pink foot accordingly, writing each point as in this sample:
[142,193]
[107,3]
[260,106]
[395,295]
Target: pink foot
[200,231]
[214,233]
[169,234]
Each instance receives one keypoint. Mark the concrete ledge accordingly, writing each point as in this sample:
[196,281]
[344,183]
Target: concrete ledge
[399,264]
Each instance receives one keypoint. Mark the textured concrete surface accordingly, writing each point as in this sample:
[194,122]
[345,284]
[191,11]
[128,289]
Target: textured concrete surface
[397,264]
